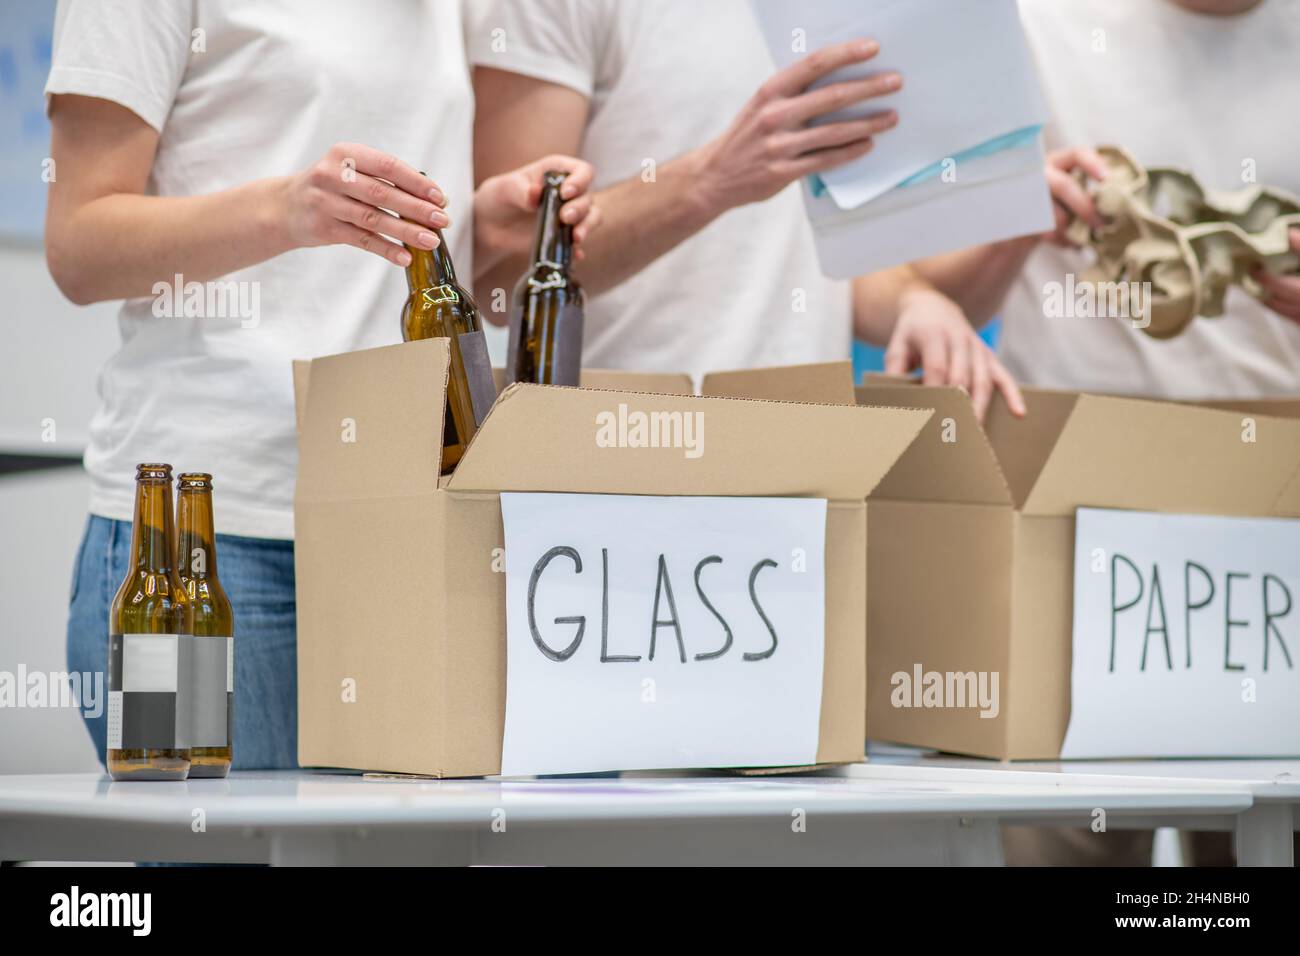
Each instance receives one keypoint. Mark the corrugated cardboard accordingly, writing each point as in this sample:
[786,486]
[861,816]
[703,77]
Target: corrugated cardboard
[666,383]
[970,556]
[401,616]
[829,383]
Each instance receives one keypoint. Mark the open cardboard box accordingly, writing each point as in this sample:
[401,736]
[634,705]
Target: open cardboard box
[397,596]
[971,550]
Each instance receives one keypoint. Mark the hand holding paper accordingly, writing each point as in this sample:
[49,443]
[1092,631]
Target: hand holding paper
[783,132]
[965,167]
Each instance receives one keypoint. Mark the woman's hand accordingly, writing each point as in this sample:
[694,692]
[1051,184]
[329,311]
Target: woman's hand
[932,333]
[1282,293]
[358,196]
[505,209]
[1069,199]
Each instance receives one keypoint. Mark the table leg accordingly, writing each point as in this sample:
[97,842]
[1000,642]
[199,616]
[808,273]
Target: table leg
[826,841]
[305,849]
[1264,836]
[363,846]
[973,842]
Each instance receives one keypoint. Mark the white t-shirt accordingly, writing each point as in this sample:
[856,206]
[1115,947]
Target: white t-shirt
[264,89]
[1215,95]
[663,78]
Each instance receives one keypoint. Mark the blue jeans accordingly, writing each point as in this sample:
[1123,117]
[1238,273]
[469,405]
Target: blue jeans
[257,574]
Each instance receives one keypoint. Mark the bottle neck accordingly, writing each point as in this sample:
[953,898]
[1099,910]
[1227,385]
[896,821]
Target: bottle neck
[430,267]
[151,533]
[196,555]
[554,244]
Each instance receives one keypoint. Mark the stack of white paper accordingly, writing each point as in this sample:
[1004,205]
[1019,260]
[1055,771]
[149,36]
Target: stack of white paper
[965,164]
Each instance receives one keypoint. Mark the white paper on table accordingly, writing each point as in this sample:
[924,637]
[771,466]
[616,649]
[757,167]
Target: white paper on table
[583,714]
[996,197]
[967,78]
[1168,708]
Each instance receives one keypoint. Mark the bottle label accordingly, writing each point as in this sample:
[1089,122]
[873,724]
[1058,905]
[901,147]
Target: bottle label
[211,691]
[148,701]
[478,371]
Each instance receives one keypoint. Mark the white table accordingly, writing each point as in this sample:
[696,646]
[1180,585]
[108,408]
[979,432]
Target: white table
[892,815]
[1263,833]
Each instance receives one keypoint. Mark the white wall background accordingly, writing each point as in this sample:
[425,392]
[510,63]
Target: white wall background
[49,359]
[51,355]
[42,514]
[48,365]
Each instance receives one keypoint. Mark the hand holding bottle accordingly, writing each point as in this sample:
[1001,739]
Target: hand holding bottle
[506,206]
[357,195]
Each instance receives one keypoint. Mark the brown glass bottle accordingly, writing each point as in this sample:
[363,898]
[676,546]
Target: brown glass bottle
[438,307]
[212,677]
[148,622]
[546,327]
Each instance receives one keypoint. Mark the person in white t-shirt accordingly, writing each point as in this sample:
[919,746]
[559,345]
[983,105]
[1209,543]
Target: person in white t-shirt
[1206,85]
[706,259]
[1199,84]
[195,141]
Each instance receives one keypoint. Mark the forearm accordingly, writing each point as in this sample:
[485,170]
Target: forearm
[978,278]
[117,246]
[640,222]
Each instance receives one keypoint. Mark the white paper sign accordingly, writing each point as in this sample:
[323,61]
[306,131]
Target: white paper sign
[655,632]
[1186,636]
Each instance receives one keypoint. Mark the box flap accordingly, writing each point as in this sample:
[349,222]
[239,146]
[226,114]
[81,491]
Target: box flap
[544,438]
[888,378]
[301,377]
[1279,407]
[373,422]
[1161,456]
[951,460]
[1022,445]
[621,380]
[1288,503]
[829,383]
[665,383]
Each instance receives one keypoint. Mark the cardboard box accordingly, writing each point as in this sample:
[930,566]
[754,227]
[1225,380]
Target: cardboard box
[971,550]
[398,603]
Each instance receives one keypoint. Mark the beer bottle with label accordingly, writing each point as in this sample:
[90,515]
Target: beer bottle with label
[546,322]
[149,623]
[212,671]
[438,307]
